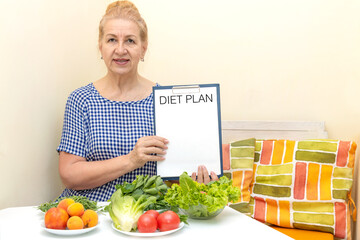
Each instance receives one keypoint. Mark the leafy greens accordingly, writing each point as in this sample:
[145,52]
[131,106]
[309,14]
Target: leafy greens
[202,200]
[148,186]
[125,210]
[88,204]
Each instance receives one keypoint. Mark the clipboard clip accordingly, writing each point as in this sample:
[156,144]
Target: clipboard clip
[186,89]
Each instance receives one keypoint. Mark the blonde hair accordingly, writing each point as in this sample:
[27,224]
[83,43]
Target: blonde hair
[126,10]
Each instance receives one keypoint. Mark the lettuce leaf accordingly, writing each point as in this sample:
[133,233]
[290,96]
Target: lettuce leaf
[125,210]
[201,200]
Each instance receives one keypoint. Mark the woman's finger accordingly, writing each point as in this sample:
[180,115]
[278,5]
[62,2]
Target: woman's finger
[153,143]
[151,140]
[214,177]
[200,176]
[193,176]
[205,175]
[154,150]
[154,158]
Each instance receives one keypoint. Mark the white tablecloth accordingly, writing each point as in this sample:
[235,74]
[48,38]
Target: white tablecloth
[25,223]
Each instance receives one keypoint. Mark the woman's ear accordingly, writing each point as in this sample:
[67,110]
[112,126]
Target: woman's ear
[100,47]
[144,49]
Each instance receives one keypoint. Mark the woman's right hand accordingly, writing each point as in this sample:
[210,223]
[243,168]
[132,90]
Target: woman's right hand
[149,148]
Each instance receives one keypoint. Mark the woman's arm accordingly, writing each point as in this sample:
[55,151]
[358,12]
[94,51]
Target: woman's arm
[78,174]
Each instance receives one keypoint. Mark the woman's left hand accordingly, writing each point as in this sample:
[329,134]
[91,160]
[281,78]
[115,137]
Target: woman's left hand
[203,175]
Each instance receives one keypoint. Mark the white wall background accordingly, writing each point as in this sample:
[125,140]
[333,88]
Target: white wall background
[274,60]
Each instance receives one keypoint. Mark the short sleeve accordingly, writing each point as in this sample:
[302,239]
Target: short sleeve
[73,133]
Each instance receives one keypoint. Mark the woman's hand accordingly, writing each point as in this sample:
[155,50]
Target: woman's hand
[203,175]
[149,148]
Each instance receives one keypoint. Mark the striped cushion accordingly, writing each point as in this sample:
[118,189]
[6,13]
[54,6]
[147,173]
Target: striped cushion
[238,161]
[303,184]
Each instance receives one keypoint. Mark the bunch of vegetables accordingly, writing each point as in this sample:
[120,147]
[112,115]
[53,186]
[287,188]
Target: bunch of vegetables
[201,200]
[72,212]
[125,210]
[130,200]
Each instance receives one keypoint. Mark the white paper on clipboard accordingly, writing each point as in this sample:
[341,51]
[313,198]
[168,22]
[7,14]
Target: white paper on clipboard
[189,117]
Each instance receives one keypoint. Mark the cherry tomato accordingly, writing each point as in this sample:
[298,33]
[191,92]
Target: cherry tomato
[147,223]
[153,213]
[168,220]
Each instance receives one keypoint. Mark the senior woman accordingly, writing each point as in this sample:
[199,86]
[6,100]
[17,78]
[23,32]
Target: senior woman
[108,135]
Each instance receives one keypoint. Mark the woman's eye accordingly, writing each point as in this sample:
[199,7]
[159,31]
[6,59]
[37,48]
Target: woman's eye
[111,40]
[130,40]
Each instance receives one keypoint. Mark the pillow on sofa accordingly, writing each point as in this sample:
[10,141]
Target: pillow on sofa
[303,184]
[238,162]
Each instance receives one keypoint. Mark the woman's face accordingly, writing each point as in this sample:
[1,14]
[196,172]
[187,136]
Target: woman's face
[121,46]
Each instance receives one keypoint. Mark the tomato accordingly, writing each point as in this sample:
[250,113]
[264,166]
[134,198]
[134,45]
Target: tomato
[56,218]
[168,220]
[153,213]
[147,223]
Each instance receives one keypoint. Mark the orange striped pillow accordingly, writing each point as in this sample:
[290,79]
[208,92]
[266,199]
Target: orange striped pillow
[303,184]
[238,161]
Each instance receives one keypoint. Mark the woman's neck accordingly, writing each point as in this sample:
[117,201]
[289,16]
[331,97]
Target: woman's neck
[123,88]
[120,82]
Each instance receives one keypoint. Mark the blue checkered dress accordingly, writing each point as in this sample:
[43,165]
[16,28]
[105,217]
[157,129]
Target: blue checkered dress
[98,129]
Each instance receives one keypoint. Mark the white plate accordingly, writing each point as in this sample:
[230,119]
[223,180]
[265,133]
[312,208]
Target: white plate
[154,234]
[68,232]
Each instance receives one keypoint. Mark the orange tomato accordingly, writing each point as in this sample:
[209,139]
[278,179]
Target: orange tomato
[56,218]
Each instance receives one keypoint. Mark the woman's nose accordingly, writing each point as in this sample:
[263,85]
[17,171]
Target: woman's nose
[121,49]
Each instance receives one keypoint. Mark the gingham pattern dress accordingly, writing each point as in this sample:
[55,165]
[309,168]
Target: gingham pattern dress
[98,129]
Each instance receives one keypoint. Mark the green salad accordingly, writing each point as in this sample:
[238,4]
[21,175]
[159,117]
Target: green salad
[201,200]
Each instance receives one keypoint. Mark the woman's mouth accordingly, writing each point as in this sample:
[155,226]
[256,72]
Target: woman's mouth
[121,61]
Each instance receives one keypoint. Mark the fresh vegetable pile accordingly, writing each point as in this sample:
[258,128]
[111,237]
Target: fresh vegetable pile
[201,200]
[69,214]
[145,194]
[125,210]
[131,200]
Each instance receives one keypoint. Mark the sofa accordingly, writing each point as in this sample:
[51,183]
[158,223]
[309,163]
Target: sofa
[266,134]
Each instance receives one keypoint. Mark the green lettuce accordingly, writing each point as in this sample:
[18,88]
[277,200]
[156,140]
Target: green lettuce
[201,200]
[125,210]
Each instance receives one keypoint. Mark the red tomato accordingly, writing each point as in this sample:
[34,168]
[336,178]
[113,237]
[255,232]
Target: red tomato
[168,220]
[147,223]
[153,213]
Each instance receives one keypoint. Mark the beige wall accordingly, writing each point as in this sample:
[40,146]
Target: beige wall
[274,60]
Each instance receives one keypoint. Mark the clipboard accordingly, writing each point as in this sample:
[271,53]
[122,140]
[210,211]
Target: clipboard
[189,117]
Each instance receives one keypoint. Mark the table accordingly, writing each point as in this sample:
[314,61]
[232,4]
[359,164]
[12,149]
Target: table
[25,222]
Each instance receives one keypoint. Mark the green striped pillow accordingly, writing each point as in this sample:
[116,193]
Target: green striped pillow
[304,184]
